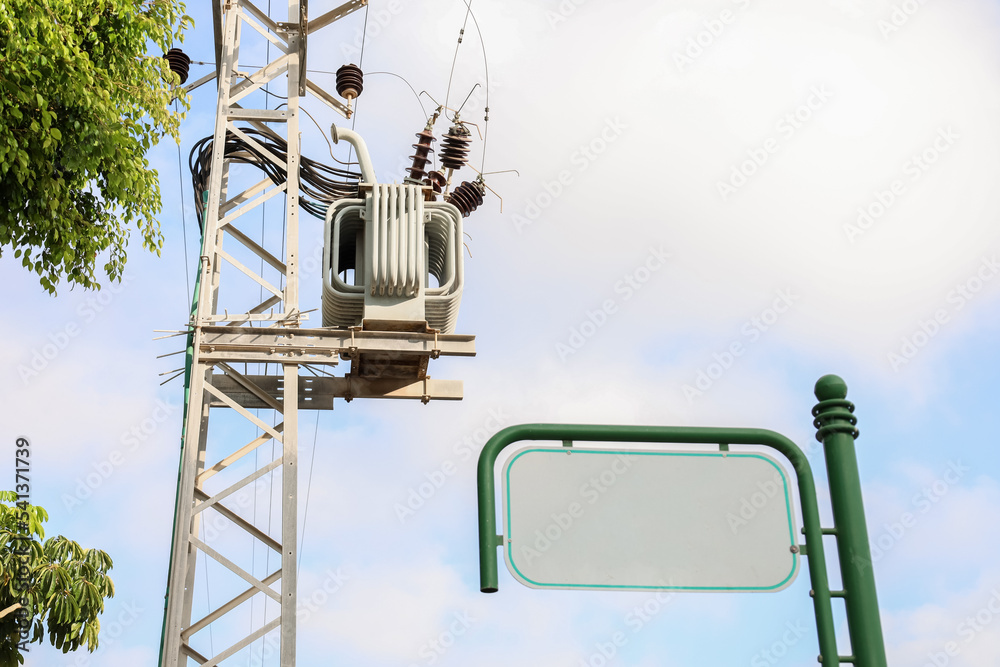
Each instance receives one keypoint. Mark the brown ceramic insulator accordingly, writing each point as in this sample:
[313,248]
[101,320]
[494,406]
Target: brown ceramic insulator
[421,157]
[455,147]
[467,197]
[436,180]
[179,63]
[350,81]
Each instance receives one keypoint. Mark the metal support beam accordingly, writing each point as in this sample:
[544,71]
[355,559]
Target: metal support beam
[202,491]
[326,346]
[317,393]
[334,14]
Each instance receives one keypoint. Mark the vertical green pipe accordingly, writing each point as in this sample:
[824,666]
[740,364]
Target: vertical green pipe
[188,361]
[486,488]
[815,555]
[835,423]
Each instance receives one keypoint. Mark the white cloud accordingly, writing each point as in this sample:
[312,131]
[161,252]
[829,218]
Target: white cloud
[618,150]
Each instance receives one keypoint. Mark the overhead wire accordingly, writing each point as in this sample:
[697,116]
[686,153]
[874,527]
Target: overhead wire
[187,287]
[423,111]
[364,33]
[208,601]
[265,90]
[180,181]
[305,513]
[486,66]
[361,60]
[454,60]
[323,134]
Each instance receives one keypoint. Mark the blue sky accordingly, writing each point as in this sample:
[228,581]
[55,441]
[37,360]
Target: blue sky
[835,158]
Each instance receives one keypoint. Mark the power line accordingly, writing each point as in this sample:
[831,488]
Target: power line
[454,60]
[361,60]
[305,514]
[180,181]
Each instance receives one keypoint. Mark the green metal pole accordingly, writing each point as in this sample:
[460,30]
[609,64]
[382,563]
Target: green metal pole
[835,423]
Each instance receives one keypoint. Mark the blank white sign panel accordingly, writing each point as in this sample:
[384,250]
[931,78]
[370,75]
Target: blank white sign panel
[648,520]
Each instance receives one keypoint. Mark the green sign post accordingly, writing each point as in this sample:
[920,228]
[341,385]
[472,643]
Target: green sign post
[836,429]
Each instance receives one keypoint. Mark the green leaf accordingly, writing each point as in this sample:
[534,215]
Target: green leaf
[64,599]
[79,106]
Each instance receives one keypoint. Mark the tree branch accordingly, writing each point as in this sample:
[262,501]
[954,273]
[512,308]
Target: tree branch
[13,607]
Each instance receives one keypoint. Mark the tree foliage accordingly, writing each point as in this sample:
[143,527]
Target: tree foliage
[66,584]
[81,101]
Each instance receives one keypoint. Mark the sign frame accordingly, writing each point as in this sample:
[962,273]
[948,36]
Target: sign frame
[836,428]
[785,492]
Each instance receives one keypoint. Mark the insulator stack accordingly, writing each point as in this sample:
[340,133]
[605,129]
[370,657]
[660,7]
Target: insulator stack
[350,81]
[421,157]
[436,180]
[455,147]
[179,63]
[467,197]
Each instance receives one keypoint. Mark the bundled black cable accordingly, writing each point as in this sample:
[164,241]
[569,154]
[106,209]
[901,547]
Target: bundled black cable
[317,185]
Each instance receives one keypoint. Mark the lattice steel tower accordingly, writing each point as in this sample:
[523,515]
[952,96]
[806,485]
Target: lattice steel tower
[390,236]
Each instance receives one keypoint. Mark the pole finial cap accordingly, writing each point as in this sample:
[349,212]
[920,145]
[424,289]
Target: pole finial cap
[829,387]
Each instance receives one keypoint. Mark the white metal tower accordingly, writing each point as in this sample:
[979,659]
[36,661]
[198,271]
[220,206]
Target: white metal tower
[232,345]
